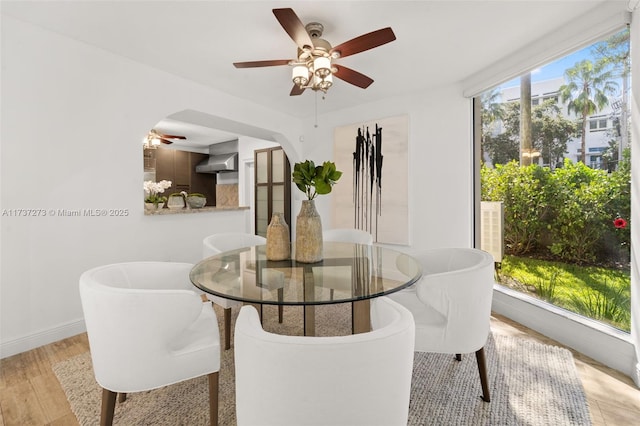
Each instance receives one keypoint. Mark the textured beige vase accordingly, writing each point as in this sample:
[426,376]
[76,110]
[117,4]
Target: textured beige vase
[278,245]
[308,234]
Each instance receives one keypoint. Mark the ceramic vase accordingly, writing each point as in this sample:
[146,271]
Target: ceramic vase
[151,207]
[278,245]
[308,234]
[175,202]
[196,202]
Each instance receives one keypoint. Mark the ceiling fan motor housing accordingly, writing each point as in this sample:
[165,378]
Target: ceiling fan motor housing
[314,29]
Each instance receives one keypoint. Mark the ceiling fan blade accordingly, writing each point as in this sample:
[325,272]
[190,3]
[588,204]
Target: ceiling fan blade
[294,27]
[352,77]
[296,90]
[165,136]
[165,141]
[255,64]
[365,42]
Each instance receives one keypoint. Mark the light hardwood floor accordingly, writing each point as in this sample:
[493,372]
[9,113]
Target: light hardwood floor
[31,395]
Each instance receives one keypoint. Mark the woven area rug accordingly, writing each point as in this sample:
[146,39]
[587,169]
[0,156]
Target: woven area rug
[530,384]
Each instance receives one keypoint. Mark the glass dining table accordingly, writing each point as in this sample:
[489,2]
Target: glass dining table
[349,273]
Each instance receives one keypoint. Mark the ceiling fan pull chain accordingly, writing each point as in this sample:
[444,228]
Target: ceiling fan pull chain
[316,101]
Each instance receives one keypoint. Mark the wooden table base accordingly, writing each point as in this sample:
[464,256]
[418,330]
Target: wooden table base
[360,318]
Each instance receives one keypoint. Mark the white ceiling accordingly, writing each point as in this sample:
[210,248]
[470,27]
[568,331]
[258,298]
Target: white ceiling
[438,42]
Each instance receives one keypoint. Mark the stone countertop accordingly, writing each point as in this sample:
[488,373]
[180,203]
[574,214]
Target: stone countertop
[186,210]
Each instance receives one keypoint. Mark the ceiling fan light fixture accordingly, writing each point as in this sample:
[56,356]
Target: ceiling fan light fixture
[325,83]
[300,75]
[322,66]
[150,141]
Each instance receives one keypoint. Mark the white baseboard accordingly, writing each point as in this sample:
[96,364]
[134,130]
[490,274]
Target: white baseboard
[42,338]
[608,345]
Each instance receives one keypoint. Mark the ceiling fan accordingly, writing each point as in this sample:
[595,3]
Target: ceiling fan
[313,67]
[155,138]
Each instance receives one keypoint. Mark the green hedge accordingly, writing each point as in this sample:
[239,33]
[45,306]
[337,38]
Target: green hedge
[566,214]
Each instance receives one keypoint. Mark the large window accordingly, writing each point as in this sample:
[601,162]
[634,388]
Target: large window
[556,197]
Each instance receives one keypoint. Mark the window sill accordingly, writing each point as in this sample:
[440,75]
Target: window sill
[606,344]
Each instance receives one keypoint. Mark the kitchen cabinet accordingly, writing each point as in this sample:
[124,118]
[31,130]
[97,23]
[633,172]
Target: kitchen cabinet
[272,187]
[180,168]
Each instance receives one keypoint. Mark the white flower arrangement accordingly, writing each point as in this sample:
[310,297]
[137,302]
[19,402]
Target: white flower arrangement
[152,189]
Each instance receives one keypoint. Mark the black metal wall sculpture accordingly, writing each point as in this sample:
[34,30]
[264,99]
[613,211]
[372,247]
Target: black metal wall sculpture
[367,180]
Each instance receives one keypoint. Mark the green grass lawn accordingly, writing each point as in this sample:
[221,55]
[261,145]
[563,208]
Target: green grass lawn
[596,292]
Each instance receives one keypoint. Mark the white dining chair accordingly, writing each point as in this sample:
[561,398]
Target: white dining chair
[219,243]
[339,277]
[348,235]
[359,379]
[147,329]
[451,303]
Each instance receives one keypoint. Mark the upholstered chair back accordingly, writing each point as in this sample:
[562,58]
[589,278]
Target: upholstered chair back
[361,379]
[348,235]
[218,243]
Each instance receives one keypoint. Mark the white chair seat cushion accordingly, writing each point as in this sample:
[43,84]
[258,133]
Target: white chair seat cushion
[199,338]
[333,277]
[271,279]
[429,322]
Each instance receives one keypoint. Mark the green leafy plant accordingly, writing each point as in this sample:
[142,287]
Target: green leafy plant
[611,305]
[546,286]
[602,293]
[315,180]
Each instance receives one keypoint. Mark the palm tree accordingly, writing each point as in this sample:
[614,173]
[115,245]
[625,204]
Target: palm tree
[587,87]
[526,148]
[492,111]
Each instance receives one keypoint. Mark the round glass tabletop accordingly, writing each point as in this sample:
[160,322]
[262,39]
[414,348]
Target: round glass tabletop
[348,272]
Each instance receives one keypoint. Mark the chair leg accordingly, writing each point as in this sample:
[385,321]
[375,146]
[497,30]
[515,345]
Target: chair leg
[227,328]
[108,407]
[122,397]
[280,307]
[458,357]
[213,398]
[482,368]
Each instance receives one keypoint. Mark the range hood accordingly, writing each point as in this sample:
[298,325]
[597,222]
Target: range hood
[223,157]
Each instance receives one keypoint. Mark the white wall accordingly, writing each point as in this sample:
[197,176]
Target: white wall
[73,117]
[440,169]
